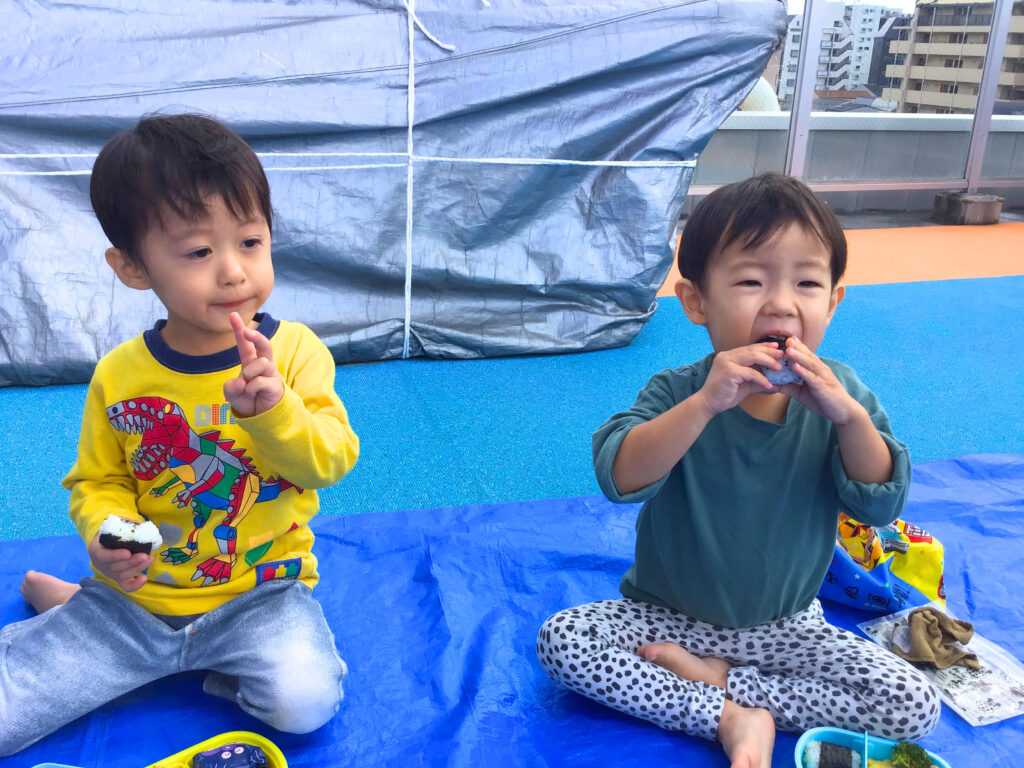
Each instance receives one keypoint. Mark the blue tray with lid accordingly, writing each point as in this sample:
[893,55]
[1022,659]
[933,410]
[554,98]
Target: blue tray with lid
[867,746]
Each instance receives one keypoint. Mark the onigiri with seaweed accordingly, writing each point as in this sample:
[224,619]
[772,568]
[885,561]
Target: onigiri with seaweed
[786,375]
[824,754]
[119,533]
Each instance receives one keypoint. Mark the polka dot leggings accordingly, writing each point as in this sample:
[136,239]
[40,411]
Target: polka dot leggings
[803,670]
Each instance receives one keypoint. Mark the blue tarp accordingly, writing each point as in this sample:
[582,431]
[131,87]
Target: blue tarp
[436,613]
[550,156]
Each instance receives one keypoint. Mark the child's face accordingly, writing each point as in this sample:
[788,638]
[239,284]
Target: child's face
[203,271]
[782,287]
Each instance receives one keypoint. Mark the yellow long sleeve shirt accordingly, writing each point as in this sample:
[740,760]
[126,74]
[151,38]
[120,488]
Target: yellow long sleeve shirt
[231,496]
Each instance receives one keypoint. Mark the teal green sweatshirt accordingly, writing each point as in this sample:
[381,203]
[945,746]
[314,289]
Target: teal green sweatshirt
[742,529]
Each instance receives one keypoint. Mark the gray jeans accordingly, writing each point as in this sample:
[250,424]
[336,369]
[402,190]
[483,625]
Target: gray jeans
[269,650]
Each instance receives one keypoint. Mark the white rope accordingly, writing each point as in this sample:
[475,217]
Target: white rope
[426,33]
[45,173]
[33,155]
[410,114]
[555,161]
[24,155]
[425,159]
[328,154]
[333,167]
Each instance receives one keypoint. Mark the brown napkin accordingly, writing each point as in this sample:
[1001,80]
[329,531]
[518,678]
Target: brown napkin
[932,638]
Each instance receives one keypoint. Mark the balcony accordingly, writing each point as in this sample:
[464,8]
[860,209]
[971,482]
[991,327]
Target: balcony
[972,26]
[935,98]
[976,50]
[947,74]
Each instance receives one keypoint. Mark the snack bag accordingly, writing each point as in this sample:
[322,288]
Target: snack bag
[884,569]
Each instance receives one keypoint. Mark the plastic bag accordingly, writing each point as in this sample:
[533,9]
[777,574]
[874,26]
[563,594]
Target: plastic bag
[884,569]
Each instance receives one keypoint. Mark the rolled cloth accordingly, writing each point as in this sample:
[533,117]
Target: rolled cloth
[933,639]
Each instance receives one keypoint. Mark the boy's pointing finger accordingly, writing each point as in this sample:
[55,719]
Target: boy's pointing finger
[261,344]
[246,349]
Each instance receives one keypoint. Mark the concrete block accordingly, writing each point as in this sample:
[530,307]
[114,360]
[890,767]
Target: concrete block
[966,208]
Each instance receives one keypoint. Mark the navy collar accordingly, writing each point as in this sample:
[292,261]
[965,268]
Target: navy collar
[218,361]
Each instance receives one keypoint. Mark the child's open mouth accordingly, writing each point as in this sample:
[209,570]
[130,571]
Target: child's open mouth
[776,337]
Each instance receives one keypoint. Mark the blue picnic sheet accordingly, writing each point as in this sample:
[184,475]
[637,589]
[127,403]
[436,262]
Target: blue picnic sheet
[436,614]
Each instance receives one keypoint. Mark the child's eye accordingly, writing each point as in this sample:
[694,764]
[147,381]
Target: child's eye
[810,284]
[198,253]
[749,282]
[252,242]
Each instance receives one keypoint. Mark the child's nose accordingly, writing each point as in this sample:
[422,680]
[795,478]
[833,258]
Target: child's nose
[781,301]
[231,270]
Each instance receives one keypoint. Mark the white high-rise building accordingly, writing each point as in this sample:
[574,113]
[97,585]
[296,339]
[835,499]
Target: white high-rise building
[842,48]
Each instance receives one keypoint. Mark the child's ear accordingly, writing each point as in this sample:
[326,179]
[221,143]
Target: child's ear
[837,296]
[128,270]
[692,301]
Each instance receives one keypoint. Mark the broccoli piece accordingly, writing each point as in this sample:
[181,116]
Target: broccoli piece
[909,755]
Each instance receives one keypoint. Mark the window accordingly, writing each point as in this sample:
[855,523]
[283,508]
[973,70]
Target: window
[957,37]
[955,63]
[919,61]
[949,88]
[794,53]
[796,38]
[791,82]
[791,67]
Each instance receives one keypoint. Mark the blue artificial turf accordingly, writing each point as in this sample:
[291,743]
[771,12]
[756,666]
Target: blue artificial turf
[942,356]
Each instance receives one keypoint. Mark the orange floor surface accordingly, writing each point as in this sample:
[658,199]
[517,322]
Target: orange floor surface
[910,254]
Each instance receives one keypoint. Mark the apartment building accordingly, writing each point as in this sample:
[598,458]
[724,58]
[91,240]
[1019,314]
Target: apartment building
[843,48]
[940,55]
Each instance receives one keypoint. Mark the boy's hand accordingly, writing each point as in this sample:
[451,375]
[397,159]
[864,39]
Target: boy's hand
[260,386]
[821,393]
[733,376]
[120,565]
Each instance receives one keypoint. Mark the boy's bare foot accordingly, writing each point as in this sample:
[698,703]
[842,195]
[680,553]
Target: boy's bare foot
[680,661]
[43,591]
[747,735]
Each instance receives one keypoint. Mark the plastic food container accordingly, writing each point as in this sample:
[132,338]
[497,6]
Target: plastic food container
[183,759]
[869,747]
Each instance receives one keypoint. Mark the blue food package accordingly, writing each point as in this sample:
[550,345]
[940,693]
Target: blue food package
[231,756]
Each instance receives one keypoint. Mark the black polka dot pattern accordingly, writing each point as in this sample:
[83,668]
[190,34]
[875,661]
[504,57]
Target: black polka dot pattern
[803,670]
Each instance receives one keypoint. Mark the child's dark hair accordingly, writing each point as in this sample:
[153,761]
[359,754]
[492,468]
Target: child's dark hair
[173,162]
[751,212]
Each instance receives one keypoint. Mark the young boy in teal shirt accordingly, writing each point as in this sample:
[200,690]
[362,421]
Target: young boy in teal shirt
[719,633]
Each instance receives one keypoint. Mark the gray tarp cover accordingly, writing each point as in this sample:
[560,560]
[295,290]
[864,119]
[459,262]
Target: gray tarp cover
[507,251]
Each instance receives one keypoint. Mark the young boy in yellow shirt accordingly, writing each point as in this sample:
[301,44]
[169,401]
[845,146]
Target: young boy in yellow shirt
[217,425]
